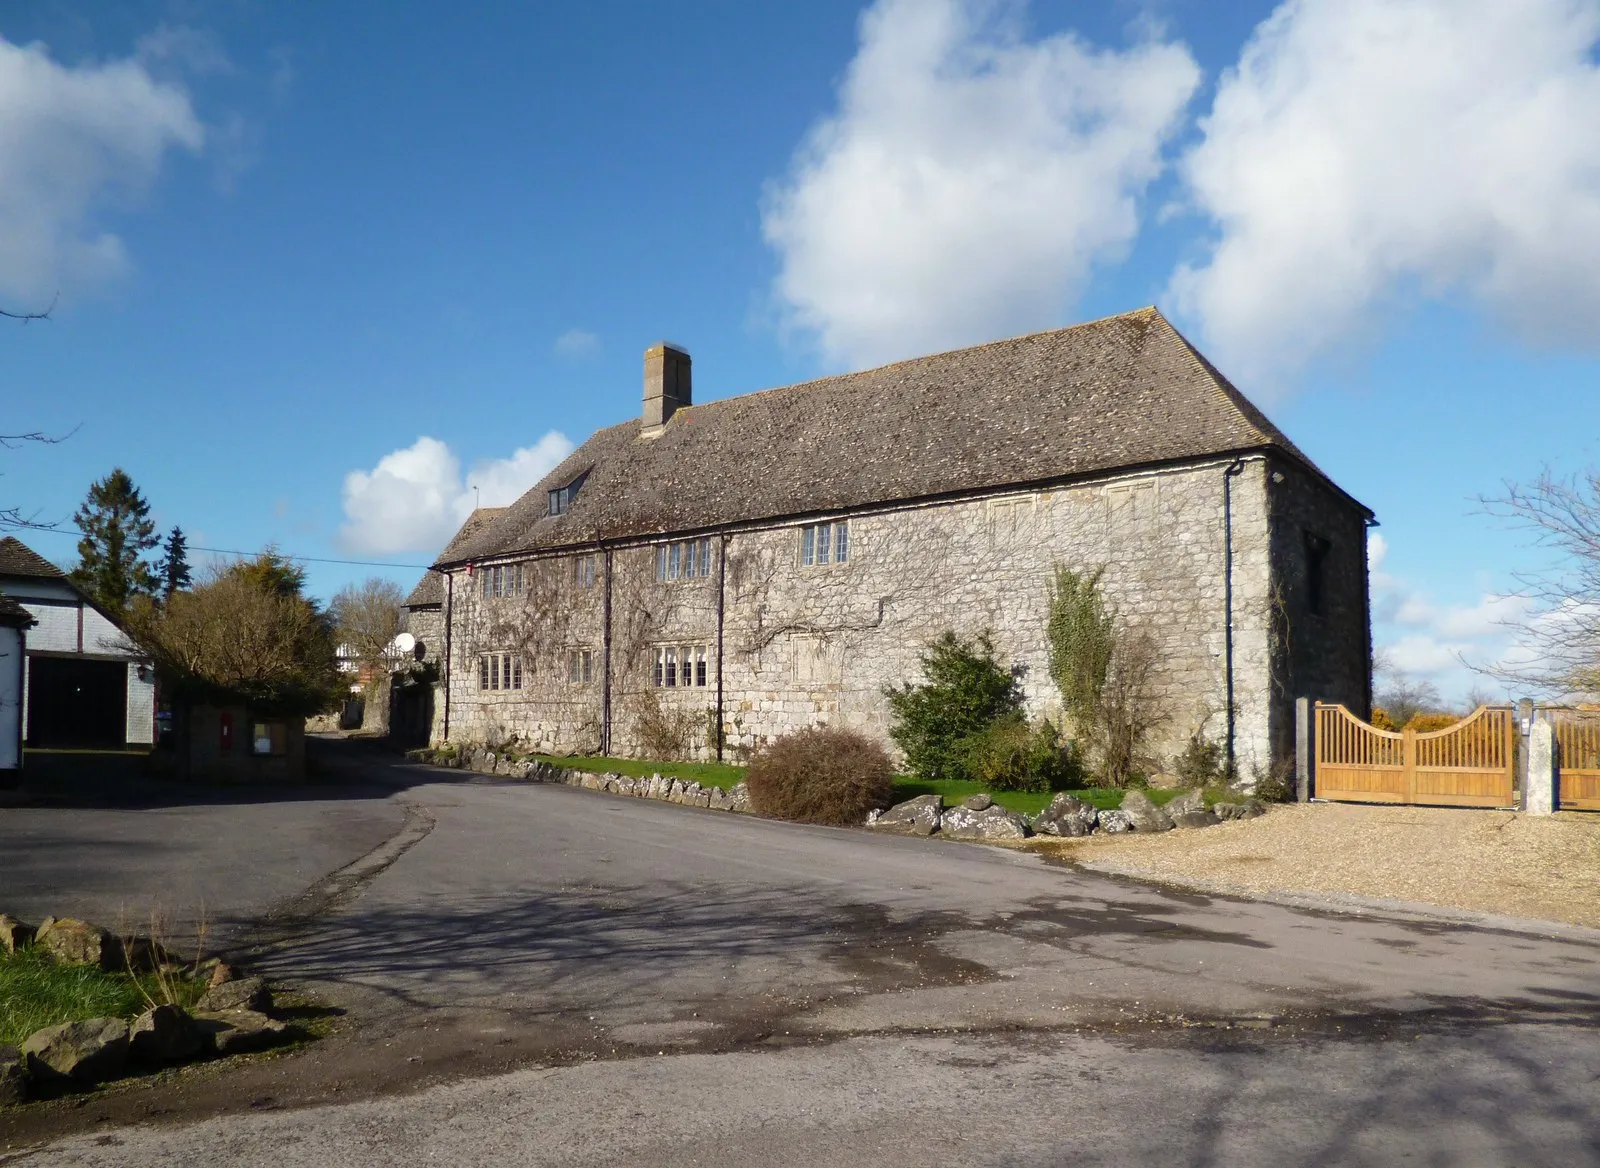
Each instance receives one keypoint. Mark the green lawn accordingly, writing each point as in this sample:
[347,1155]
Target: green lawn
[37,991]
[712,774]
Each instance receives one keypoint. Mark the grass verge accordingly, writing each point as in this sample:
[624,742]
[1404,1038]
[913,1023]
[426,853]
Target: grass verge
[38,991]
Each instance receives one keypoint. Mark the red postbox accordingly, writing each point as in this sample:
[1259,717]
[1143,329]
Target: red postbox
[225,725]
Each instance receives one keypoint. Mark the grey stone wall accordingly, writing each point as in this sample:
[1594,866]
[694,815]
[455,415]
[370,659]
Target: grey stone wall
[809,645]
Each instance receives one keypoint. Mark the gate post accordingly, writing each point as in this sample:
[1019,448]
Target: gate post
[1302,749]
[1539,785]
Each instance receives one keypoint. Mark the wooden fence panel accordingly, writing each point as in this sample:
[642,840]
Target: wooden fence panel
[1578,738]
[1470,764]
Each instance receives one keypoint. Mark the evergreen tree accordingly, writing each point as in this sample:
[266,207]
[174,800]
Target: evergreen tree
[173,567]
[117,531]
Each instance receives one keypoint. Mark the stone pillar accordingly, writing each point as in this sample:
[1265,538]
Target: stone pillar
[1539,788]
[1302,749]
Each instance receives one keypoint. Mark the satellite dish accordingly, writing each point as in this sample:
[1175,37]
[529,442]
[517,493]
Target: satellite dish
[403,644]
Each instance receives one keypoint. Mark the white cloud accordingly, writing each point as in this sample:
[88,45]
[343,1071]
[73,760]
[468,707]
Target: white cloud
[69,137]
[1366,151]
[416,498]
[576,343]
[968,181]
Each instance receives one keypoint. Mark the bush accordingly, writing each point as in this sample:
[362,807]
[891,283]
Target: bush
[965,692]
[1202,762]
[1015,755]
[1423,723]
[820,775]
[1382,720]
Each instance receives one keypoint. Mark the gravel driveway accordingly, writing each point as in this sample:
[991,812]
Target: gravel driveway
[1545,868]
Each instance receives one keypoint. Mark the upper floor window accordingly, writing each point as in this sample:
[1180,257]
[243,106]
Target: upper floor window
[580,666]
[683,560]
[825,543]
[561,498]
[583,571]
[502,580]
[497,671]
[1317,549]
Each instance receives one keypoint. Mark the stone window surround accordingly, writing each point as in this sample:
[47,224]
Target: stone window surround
[683,559]
[580,665]
[499,672]
[825,543]
[672,666]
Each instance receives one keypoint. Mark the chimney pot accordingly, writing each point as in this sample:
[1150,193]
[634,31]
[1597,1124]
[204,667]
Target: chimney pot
[666,385]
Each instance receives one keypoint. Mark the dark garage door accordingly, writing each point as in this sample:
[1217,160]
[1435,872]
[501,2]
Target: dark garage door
[72,702]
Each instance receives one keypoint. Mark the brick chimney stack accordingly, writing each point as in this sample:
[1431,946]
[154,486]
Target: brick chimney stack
[666,385]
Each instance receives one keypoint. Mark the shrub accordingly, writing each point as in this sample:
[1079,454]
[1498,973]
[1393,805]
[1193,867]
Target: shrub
[1013,754]
[820,775]
[1202,762]
[965,691]
[1275,784]
[1382,720]
[1422,723]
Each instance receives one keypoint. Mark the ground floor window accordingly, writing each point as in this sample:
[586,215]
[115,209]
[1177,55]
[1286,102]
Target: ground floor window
[682,666]
[498,671]
[580,666]
[269,738]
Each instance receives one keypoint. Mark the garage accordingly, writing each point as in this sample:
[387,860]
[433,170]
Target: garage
[77,702]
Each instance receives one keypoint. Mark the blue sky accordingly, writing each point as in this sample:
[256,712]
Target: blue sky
[290,242]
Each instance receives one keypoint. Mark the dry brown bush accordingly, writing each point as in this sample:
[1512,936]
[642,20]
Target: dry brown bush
[820,775]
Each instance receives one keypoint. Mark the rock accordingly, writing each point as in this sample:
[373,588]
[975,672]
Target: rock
[1249,809]
[85,1052]
[221,971]
[978,802]
[1190,800]
[1114,822]
[13,1076]
[78,943]
[719,800]
[245,993]
[1143,814]
[919,816]
[675,792]
[237,1031]
[1165,782]
[991,823]
[141,954]
[1194,819]
[1066,816]
[739,797]
[14,934]
[164,1034]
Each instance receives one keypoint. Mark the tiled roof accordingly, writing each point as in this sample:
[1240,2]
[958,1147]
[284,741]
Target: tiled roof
[1125,391]
[18,559]
[430,589]
[13,614]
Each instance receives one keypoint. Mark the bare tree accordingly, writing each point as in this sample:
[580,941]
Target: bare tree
[1403,697]
[367,619]
[12,517]
[1559,624]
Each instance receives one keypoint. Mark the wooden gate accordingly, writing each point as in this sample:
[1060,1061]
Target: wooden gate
[1470,764]
[1578,757]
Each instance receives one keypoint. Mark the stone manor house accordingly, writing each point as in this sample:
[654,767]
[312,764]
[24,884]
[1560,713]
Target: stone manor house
[701,579]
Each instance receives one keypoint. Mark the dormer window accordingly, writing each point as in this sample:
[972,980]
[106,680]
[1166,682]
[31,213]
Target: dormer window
[561,498]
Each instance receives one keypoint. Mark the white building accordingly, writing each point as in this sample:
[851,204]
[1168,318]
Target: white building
[82,686]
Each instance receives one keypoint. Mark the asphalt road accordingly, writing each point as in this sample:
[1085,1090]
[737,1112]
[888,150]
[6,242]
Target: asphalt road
[543,975]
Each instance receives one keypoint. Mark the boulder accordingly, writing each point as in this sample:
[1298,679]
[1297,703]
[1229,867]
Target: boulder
[739,797]
[13,1076]
[978,802]
[142,954]
[1190,800]
[1143,814]
[991,823]
[237,1031]
[1066,816]
[1194,819]
[14,934]
[84,1052]
[245,993]
[215,971]
[1249,809]
[919,816]
[1114,822]
[675,791]
[719,800]
[164,1034]
[78,943]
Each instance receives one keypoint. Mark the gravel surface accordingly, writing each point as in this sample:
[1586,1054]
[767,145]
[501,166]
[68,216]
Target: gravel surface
[1546,868]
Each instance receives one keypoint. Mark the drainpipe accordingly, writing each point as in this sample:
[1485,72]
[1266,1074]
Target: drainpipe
[605,663]
[449,625]
[1234,470]
[722,594]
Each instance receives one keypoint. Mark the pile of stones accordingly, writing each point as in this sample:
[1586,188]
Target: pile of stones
[669,790]
[980,817]
[234,1016]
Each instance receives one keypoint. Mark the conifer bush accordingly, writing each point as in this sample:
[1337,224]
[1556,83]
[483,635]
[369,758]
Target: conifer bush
[965,691]
[820,775]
